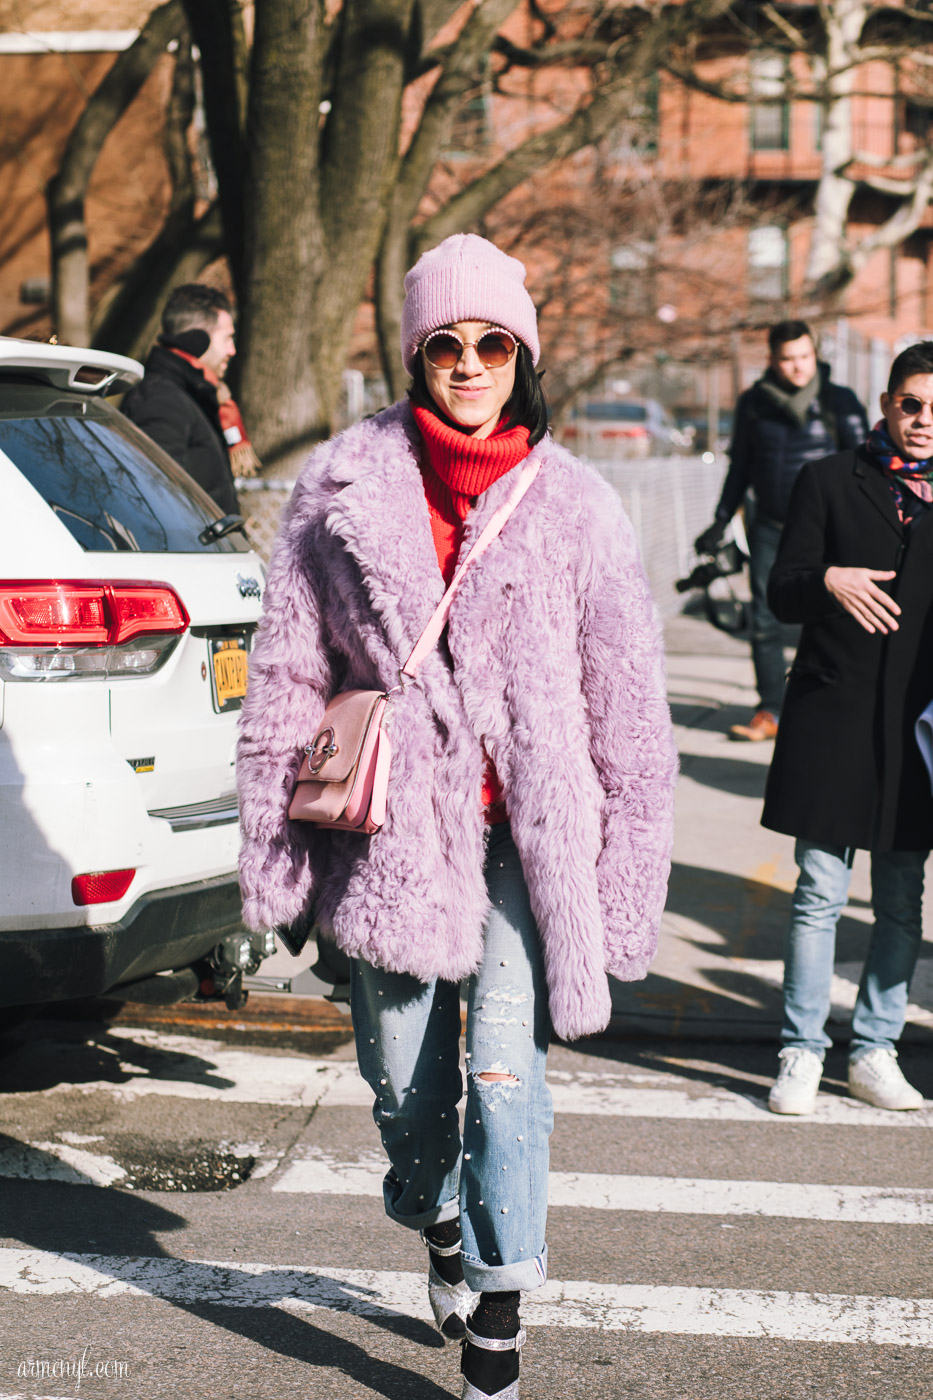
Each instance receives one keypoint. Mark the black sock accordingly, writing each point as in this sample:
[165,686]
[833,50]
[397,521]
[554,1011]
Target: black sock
[448,1267]
[495,1315]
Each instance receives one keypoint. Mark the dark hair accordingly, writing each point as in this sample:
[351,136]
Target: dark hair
[916,359]
[525,405]
[193,305]
[787,330]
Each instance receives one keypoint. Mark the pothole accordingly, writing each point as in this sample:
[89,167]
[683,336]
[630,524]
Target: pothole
[203,1170]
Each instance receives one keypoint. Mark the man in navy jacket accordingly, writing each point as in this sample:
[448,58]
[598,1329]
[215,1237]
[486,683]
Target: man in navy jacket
[792,415]
[176,402]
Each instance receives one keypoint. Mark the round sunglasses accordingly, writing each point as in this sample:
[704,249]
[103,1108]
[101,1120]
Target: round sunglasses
[910,404]
[444,349]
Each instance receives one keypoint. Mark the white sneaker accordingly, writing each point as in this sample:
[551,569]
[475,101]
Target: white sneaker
[876,1077]
[795,1089]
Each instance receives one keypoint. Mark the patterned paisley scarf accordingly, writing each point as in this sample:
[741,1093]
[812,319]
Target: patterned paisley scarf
[902,476]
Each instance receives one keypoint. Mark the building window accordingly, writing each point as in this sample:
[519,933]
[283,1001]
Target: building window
[767,263]
[769,111]
[631,283]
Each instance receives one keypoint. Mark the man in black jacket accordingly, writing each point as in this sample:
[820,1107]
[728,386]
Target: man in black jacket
[855,567]
[176,400]
[793,414]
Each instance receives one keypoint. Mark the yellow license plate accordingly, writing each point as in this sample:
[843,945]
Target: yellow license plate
[228,672]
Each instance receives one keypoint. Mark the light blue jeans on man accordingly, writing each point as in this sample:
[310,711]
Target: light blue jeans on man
[408,1047]
[820,896]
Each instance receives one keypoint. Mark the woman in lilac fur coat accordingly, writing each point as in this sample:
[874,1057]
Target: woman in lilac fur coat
[526,847]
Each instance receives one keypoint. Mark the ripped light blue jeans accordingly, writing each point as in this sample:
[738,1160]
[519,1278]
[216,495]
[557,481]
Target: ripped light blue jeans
[408,1046]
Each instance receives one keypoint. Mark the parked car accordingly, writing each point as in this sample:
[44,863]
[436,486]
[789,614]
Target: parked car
[127,605]
[695,427]
[623,428]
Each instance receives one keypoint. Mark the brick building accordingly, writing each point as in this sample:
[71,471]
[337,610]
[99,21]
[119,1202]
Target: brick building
[658,257]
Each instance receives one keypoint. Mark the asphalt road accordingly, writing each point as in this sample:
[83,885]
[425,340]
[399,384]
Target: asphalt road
[202,1218]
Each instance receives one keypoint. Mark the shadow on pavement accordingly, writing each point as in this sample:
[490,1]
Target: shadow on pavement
[115,1233]
[719,922]
[740,776]
[87,1054]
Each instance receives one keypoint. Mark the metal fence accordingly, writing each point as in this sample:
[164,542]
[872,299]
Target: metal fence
[668,500]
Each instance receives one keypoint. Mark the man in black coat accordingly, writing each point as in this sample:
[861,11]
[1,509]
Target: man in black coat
[855,567]
[176,400]
[793,414]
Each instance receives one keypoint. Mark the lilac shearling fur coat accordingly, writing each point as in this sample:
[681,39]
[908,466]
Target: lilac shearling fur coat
[553,661]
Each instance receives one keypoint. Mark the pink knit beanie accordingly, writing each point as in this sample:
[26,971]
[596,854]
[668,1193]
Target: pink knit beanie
[466,278]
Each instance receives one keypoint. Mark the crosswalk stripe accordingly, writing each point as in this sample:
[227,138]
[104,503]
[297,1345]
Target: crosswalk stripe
[878,1205]
[843,1204]
[711,1312]
[186,1067]
[56,1161]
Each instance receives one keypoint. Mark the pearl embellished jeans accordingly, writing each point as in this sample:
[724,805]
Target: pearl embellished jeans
[408,1047]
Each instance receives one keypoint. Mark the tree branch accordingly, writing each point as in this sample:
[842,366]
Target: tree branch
[217,29]
[570,53]
[129,321]
[901,162]
[781,22]
[178,117]
[902,223]
[67,189]
[882,185]
[587,125]
[456,79]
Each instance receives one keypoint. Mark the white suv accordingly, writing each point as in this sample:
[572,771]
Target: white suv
[127,605]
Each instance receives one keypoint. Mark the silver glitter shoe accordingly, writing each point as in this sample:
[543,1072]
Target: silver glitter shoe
[451,1303]
[515,1343]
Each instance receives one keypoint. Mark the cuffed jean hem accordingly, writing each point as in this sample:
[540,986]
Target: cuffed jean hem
[504,1278]
[448,1210]
[858,1048]
[816,1047]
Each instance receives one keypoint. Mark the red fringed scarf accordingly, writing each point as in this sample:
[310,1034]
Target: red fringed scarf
[243,459]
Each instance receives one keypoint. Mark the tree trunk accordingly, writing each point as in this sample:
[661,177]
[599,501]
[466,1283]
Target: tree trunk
[68,188]
[308,260]
[217,29]
[282,402]
[827,264]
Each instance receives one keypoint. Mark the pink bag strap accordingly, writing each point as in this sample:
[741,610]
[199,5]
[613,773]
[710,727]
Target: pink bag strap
[431,634]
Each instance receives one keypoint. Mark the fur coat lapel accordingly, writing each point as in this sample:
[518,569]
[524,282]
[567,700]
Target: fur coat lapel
[395,553]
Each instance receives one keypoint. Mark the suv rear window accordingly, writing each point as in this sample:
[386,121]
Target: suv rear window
[107,483]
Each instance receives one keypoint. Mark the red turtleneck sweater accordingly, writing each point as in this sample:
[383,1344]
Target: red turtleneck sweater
[455,469]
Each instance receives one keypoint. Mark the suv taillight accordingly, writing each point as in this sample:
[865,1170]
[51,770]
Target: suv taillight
[57,629]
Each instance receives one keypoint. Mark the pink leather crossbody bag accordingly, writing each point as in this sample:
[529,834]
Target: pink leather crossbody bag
[344,776]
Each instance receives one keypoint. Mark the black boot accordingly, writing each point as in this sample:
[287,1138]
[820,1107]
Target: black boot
[490,1358]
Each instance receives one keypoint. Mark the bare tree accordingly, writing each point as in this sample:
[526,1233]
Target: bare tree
[126,320]
[325,185]
[630,273]
[836,39]
[329,137]
[67,190]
